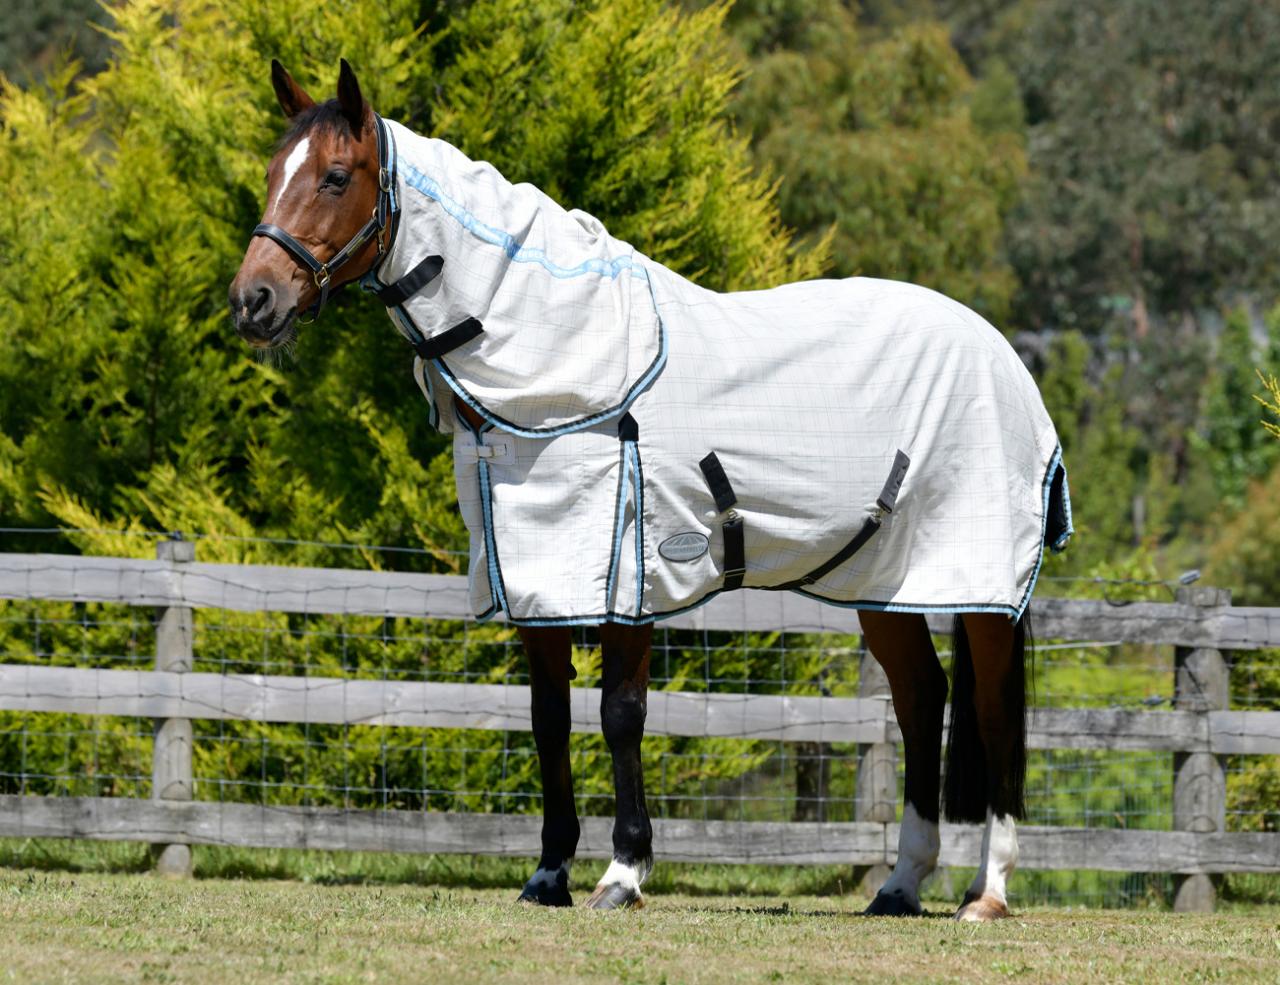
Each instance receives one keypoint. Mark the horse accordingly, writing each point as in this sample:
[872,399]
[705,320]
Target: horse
[583,381]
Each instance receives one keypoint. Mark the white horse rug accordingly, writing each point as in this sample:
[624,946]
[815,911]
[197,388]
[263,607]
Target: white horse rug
[649,443]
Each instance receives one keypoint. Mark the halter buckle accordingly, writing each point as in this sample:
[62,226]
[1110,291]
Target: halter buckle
[384,180]
[322,277]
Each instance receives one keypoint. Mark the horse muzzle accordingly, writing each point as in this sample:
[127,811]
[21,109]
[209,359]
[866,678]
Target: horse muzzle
[261,317]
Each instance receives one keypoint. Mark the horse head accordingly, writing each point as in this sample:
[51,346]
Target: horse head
[326,218]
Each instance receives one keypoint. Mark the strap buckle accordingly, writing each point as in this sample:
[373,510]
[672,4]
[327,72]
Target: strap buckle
[322,276]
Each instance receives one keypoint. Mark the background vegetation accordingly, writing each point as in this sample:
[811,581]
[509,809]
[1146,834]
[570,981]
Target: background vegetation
[1098,179]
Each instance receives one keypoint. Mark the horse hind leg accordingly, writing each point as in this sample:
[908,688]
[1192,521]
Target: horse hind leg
[901,644]
[550,669]
[986,751]
[625,654]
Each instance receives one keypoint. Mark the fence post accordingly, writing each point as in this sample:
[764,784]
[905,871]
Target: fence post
[171,775]
[1201,684]
[877,791]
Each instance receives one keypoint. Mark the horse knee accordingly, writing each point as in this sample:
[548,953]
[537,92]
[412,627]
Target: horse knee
[622,714]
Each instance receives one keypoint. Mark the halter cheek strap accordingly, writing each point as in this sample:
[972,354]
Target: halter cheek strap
[322,273]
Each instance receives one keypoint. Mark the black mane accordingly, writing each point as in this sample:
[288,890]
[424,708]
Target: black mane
[326,116]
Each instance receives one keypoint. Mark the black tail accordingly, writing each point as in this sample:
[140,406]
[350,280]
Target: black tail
[969,788]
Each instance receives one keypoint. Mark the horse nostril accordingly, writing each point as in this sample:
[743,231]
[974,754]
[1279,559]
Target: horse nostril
[263,303]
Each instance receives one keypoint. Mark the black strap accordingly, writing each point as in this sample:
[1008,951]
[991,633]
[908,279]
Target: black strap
[735,552]
[447,341]
[869,526]
[887,500]
[411,283]
[294,248]
[628,429]
[732,529]
[717,482]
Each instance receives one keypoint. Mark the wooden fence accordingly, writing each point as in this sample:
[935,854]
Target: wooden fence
[1199,731]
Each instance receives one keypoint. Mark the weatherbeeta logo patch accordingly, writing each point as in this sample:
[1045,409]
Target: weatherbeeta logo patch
[684,547]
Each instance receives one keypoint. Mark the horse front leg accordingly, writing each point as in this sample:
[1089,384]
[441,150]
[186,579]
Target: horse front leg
[901,644]
[550,669]
[625,657]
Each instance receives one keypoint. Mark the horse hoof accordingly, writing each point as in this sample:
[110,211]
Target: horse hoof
[547,889]
[615,896]
[982,909]
[892,905]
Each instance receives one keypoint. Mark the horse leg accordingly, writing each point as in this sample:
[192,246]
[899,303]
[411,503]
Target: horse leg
[549,650]
[985,777]
[901,644]
[625,657]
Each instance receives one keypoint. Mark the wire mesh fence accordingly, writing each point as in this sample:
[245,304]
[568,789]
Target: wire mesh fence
[707,778]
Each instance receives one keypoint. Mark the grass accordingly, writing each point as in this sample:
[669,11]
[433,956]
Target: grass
[85,912]
[100,927]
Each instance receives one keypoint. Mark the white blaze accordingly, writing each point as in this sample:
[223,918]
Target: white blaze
[291,165]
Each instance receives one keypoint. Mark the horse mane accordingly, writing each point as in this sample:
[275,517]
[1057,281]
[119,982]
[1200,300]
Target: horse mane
[326,116]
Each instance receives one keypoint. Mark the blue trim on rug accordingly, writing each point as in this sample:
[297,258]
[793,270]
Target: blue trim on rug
[637,479]
[651,374]
[496,589]
[609,269]
[619,518]
[1060,545]
[1055,463]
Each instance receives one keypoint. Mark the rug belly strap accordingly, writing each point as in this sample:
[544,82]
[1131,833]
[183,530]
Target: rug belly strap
[732,529]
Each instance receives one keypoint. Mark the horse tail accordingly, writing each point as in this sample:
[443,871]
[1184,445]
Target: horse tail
[970,789]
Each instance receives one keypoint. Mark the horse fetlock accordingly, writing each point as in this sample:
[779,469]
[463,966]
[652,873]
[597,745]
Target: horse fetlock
[619,887]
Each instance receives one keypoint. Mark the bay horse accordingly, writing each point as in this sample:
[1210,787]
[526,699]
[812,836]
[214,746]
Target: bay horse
[554,352]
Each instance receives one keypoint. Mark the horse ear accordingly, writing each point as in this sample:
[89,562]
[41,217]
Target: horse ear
[349,98]
[293,100]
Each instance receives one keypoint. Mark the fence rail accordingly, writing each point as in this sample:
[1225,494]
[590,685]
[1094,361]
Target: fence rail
[757,842]
[331,591]
[502,707]
[1198,731]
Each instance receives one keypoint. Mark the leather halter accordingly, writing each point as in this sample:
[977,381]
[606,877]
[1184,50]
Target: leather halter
[322,273]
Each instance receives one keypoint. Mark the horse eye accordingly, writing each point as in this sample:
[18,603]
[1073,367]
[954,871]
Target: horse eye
[338,179]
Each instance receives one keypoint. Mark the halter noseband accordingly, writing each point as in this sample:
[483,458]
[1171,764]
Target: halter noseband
[322,273]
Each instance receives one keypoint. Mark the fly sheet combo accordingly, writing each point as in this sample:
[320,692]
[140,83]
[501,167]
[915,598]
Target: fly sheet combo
[648,443]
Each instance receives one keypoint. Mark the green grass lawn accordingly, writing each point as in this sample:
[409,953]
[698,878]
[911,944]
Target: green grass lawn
[58,926]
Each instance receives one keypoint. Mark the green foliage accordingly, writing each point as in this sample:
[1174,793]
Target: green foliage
[36,34]
[134,191]
[1153,158]
[1236,449]
[883,142]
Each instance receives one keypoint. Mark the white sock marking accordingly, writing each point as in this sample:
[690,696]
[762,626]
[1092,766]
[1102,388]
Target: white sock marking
[999,856]
[291,165]
[918,845]
[627,876]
